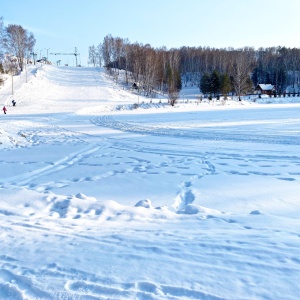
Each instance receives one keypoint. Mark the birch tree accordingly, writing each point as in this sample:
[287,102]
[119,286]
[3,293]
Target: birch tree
[1,35]
[18,41]
[241,69]
[99,54]
[92,55]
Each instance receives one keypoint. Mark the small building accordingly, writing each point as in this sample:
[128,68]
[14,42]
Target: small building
[266,89]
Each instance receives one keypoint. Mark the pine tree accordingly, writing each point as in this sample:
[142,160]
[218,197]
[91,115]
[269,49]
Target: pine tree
[215,82]
[205,84]
[226,86]
[177,79]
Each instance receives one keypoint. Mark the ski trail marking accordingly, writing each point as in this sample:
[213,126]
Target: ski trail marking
[63,163]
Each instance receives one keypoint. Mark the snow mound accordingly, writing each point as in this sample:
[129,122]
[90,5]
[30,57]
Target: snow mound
[193,209]
[144,203]
[75,207]
[10,139]
[84,197]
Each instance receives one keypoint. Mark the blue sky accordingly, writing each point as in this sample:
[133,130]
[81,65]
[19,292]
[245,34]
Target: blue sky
[62,25]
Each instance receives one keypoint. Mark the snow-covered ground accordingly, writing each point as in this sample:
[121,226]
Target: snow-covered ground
[99,200]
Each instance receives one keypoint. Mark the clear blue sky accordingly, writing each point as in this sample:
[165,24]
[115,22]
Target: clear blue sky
[62,25]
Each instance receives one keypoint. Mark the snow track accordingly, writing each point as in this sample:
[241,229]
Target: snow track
[209,253]
[66,162]
[205,134]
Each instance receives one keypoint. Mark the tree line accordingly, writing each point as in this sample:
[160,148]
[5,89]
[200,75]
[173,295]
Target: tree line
[150,69]
[16,43]
[214,70]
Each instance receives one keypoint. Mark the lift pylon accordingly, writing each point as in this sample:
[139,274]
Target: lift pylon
[75,53]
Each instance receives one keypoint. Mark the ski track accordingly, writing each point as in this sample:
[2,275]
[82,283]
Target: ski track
[110,122]
[66,162]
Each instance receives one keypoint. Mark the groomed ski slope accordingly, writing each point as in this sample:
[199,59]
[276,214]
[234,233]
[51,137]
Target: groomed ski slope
[102,200]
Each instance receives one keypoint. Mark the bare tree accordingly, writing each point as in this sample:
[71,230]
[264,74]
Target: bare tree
[241,69]
[1,38]
[106,51]
[18,41]
[173,76]
[92,55]
[99,55]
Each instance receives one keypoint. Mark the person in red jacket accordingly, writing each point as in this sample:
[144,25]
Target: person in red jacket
[4,110]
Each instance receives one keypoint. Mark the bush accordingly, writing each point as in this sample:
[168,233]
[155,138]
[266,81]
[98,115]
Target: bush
[173,96]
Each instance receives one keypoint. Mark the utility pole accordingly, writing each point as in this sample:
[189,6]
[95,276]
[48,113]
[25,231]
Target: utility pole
[33,56]
[47,52]
[12,83]
[26,61]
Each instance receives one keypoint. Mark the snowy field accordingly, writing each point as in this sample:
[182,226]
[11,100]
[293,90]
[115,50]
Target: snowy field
[99,200]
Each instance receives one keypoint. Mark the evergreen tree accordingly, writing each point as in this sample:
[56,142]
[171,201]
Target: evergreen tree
[215,82]
[226,86]
[205,84]
[177,79]
[249,85]
[281,80]
[169,75]
[255,76]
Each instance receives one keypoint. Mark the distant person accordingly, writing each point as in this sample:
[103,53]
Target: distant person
[14,103]
[4,110]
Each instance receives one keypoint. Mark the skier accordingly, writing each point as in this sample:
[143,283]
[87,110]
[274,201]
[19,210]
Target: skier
[14,103]
[4,110]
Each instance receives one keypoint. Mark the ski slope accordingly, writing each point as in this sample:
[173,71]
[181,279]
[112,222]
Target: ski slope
[102,200]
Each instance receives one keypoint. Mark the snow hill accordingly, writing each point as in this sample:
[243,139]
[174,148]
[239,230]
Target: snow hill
[105,194]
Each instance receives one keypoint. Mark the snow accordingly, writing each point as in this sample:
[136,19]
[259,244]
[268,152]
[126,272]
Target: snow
[104,199]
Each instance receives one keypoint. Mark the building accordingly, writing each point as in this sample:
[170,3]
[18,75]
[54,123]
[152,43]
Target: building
[266,89]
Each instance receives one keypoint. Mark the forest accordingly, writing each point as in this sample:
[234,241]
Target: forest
[216,71]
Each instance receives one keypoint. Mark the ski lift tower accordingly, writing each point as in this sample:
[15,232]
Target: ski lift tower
[75,54]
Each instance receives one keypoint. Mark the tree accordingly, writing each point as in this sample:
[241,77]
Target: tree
[107,50]
[226,86]
[99,54]
[205,83]
[1,38]
[173,76]
[215,82]
[173,92]
[17,41]
[92,55]
[241,70]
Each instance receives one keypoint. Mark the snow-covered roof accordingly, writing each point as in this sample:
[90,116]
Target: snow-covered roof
[266,87]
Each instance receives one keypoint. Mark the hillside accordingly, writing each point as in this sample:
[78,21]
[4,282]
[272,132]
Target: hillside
[103,199]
